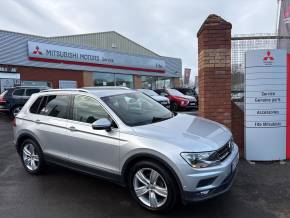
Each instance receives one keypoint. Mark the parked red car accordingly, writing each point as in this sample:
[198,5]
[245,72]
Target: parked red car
[177,99]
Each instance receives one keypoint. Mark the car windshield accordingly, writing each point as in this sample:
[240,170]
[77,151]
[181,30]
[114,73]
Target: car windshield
[189,92]
[174,92]
[148,92]
[136,109]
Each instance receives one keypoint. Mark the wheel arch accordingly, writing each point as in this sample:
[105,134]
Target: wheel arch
[145,157]
[22,137]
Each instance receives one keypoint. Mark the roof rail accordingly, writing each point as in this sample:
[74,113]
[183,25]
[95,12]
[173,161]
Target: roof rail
[64,90]
[105,87]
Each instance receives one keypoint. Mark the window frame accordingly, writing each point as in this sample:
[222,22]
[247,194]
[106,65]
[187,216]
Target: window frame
[19,96]
[70,112]
[47,95]
[32,93]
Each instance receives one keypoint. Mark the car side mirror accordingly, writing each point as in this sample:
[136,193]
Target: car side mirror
[102,124]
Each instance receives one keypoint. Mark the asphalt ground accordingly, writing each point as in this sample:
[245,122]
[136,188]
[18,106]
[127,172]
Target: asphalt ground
[259,190]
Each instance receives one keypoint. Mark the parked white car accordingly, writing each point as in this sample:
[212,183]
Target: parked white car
[161,99]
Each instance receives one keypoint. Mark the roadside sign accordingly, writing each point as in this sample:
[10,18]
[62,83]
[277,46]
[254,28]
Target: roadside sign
[265,105]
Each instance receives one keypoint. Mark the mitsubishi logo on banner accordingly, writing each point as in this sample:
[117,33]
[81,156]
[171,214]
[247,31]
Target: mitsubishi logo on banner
[268,59]
[37,51]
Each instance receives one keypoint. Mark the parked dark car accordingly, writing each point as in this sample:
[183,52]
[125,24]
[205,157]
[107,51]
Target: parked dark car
[189,91]
[177,99]
[13,99]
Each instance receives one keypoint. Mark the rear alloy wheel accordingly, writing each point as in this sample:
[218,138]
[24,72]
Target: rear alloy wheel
[31,157]
[16,110]
[152,186]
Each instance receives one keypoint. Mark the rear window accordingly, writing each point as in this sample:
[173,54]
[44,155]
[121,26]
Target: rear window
[18,92]
[35,106]
[53,105]
[29,92]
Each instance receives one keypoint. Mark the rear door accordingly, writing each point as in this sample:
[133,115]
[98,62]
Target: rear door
[50,119]
[92,148]
[18,97]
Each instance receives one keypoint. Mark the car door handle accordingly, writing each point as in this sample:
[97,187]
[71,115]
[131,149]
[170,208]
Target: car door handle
[37,121]
[72,128]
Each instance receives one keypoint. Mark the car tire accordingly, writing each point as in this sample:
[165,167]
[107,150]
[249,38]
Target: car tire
[174,106]
[15,110]
[152,186]
[32,157]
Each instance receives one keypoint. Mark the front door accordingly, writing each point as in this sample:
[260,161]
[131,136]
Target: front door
[97,149]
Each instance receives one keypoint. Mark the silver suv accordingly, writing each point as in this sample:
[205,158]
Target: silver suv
[127,137]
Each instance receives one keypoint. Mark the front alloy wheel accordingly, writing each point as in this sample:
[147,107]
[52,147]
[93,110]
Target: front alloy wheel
[153,186]
[150,187]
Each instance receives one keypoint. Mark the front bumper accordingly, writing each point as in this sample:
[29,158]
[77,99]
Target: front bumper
[203,184]
[205,195]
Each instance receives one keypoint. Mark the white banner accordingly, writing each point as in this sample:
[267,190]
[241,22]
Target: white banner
[68,55]
[265,105]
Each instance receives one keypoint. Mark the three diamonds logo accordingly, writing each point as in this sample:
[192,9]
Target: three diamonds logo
[37,51]
[268,59]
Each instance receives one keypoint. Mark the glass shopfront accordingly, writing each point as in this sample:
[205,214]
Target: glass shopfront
[110,79]
[152,82]
[104,79]
[8,80]
[164,82]
[148,82]
[124,80]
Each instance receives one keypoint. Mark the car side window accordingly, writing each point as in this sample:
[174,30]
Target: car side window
[87,109]
[54,106]
[29,92]
[34,107]
[18,92]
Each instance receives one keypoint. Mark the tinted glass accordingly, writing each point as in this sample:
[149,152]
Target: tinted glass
[18,92]
[54,106]
[104,79]
[29,92]
[174,92]
[35,106]
[149,92]
[124,80]
[136,109]
[87,109]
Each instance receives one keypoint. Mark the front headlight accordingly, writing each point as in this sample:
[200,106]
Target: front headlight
[199,160]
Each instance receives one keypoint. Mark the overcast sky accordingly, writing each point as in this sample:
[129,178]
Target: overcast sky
[167,27]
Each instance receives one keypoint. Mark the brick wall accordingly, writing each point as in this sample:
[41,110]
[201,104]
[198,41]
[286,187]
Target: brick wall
[214,70]
[238,126]
[51,75]
[137,82]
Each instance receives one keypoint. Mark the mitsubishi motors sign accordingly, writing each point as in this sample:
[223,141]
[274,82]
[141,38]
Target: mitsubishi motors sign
[45,52]
[266,105]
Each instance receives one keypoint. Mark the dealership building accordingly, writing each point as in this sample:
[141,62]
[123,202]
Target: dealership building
[97,59]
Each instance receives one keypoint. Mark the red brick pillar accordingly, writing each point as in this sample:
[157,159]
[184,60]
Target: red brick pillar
[214,70]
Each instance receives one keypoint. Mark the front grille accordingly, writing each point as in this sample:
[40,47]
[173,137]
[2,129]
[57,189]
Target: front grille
[222,153]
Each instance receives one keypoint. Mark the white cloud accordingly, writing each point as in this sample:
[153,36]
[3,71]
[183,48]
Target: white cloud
[167,27]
